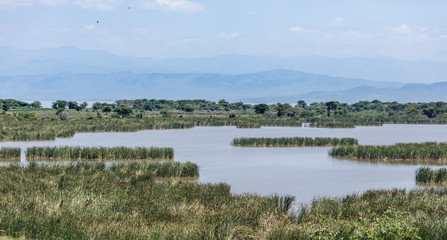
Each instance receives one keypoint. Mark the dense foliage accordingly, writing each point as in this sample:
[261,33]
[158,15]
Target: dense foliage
[293,142]
[12,154]
[428,175]
[98,153]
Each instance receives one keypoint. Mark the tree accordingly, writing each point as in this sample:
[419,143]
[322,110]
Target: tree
[411,111]
[285,110]
[302,103]
[36,104]
[107,109]
[72,105]
[224,104]
[83,105]
[59,104]
[123,111]
[261,108]
[188,108]
[97,105]
[431,112]
[331,105]
[5,107]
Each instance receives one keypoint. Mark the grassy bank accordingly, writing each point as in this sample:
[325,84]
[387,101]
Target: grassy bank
[293,142]
[98,153]
[90,201]
[375,214]
[428,152]
[9,154]
[87,201]
[427,175]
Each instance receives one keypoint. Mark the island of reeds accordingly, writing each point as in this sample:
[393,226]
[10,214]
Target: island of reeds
[67,153]
[294,142]
[9,154]
[428,175]
[428,152]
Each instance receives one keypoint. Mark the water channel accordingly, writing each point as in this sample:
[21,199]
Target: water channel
[306,173]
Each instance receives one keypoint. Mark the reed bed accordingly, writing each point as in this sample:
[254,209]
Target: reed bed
[9,154]
[91,201]
[99,153]
[294,142]
[374,214]
[46,129]
[428,152]
[427,175]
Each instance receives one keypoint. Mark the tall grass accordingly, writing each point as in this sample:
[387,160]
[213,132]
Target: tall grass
[428,175]
[428,152]
[89,201]
[293,142]
[99,153]
[9,154]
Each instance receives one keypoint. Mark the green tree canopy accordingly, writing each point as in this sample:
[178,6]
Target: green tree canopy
[261,108]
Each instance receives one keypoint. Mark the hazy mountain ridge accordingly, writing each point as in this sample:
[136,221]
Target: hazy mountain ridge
[16,61]
[409,93]
[275,83]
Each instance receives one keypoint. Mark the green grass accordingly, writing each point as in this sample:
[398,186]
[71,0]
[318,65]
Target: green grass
[428,152]
[98,153]
[89,201]
[9,154]
[293,142]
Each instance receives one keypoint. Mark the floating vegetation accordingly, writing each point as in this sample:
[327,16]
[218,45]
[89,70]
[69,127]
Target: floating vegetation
[293,142]
[9,154]
[124,201]
[428,175]
[428,152]
[98,153]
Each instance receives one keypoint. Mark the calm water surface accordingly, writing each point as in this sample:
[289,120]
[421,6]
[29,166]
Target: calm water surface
[304,172]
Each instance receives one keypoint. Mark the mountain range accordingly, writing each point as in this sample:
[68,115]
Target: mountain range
[74,74]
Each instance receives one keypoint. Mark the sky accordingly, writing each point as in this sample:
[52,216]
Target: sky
[404,29]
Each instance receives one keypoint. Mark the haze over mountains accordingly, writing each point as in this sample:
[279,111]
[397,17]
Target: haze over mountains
[70,73]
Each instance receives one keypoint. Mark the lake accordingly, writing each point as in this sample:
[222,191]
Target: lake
[306,173]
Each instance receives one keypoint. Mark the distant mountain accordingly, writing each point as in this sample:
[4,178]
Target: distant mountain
[408,93]
[91,86]
[16,61]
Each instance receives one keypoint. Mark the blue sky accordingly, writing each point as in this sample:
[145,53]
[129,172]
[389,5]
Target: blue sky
[410,29]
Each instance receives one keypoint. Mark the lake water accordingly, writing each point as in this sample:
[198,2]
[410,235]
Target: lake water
[306,173]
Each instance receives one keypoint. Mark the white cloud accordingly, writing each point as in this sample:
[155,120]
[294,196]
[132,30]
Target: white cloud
[11,4]
[443,36]
[102,5]
[173,5]
[89,27]
[336,21]
[402,29]
[228,36]
[295,29]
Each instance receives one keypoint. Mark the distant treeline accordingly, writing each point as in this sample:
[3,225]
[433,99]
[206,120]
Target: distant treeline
[99,153]
[163,114]
[293,142]
[428,152]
